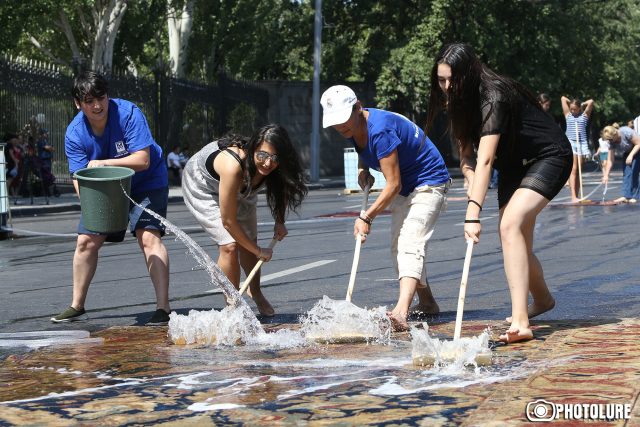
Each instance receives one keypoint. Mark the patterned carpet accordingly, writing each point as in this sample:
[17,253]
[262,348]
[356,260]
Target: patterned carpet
[138,377]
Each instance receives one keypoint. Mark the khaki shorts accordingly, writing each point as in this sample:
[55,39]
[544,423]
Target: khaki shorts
[413,220]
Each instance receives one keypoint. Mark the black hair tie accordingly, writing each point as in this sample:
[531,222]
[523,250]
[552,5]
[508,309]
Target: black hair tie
[475,203]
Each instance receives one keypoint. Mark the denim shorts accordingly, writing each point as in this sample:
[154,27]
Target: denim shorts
[604,156]
[154,200]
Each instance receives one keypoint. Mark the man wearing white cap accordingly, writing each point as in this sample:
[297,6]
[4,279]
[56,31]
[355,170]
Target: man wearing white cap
[416,183]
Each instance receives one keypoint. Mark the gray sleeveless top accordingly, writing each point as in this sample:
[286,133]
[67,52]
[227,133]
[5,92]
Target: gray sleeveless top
[200,160]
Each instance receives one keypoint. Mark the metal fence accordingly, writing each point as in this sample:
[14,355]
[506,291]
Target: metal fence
[179,112]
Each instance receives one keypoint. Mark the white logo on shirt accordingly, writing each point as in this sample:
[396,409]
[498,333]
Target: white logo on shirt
[415,127]
[120,148]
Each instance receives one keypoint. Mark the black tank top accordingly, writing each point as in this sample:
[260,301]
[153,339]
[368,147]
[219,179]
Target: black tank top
[212,157]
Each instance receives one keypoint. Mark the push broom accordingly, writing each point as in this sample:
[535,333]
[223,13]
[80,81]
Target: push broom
[342,328]
[442,351]
[255,269]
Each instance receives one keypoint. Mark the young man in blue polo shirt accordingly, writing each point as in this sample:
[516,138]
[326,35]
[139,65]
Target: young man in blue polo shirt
[114,132]
[417,181]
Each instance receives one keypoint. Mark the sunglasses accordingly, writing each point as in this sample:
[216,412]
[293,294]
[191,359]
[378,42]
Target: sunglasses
[262,157]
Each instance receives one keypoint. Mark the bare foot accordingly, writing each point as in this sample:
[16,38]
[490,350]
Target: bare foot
[426,302]
[516,334]
[536,309]
[429,309]
[264,307]
[398,321]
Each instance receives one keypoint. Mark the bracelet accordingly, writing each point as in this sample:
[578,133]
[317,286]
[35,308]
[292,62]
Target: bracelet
[475,203]
[472,221]
[364,215]
[365,220]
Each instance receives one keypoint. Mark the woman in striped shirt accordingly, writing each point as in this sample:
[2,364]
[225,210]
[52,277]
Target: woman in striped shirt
[577,116]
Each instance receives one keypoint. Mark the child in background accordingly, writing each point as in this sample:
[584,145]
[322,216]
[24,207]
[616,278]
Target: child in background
[605,157]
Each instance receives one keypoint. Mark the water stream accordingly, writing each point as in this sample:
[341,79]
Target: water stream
[328,321]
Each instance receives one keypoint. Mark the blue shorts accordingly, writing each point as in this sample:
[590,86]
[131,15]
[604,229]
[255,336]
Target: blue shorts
[604,156]
[155,200]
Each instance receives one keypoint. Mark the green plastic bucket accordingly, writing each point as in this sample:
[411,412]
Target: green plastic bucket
[105,208]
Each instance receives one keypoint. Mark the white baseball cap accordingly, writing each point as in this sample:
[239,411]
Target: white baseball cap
[337,104]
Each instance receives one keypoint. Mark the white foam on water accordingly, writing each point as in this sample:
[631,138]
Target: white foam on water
[66,371]
[383,363]
[454,353]
[392,388]
[72,393]
[451,376]
[202,406]
[189,381]
[231,326]
[281,339]
[37,339]
[200,380]
[322,387]
[330,320]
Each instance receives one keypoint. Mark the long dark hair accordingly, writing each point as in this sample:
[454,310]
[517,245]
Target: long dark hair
[286,186]
[471,83]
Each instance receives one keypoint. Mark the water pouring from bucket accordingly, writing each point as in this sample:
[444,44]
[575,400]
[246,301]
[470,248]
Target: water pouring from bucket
[233,325]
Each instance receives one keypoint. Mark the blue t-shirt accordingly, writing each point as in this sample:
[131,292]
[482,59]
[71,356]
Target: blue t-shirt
[126,132]
[419,165]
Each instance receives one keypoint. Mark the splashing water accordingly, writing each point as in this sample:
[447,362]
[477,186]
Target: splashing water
[231,326]
[282,338]
[328,320]
[432,351]
[340,320]
[218,278]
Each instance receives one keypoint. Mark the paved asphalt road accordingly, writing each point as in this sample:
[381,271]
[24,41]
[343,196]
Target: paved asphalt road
[590,255]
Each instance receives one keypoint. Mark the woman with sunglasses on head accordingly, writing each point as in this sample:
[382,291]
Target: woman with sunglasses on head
[220,185]
[497,122]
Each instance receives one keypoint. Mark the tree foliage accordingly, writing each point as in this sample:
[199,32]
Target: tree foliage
[579,48]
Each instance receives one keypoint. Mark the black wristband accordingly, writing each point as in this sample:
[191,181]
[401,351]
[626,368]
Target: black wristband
[475,203]
[365,220]
[472,221]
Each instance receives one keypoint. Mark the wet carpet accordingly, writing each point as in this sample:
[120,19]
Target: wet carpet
[138,377]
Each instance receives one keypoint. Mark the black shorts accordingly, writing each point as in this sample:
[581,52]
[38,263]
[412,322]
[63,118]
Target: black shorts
[545,176]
